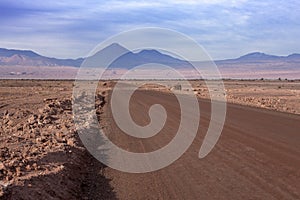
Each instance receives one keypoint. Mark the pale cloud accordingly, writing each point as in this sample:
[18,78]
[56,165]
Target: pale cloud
[129,5]
[226,28]
[211,2]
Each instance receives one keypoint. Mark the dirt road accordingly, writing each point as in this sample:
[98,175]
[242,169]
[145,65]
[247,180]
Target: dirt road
[257,156]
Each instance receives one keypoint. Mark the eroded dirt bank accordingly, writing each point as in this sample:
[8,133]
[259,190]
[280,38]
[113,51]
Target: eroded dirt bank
[41,154]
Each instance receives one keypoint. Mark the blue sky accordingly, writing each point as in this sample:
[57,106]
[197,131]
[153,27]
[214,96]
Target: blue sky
[225,28]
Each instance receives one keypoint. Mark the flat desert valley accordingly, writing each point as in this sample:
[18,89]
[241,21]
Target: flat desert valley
[256,157]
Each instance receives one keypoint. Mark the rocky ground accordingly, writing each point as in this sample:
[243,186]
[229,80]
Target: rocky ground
[280,95]
[41,156]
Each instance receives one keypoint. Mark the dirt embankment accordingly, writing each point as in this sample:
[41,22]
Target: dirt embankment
[41,156]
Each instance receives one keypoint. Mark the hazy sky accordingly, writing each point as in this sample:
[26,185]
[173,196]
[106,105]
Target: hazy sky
[225,28]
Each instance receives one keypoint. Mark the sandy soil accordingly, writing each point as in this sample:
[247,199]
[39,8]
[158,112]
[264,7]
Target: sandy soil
[42,157]
[228,71]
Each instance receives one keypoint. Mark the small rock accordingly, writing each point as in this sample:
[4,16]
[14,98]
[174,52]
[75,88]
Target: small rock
[38,139]
[18,171]
[58,135]
[10,123]
[2,166]
[70,142]
[32,120]
[9,175]
[41,110]
[35,166]
[28,168]
[20,127]
[50,99]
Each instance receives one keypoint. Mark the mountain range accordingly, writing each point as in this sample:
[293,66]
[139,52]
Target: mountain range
[11,57]
[262,57]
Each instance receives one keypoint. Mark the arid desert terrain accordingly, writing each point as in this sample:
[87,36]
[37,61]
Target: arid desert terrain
[256,157]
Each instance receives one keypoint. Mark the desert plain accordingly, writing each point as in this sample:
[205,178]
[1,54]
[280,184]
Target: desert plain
[256,157]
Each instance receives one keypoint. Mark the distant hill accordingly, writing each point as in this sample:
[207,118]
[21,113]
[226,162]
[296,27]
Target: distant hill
[258,57]
[12,57]
[294,56]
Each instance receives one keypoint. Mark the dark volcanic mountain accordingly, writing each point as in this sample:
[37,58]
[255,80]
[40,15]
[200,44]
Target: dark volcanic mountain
[130,59]
[123,58]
